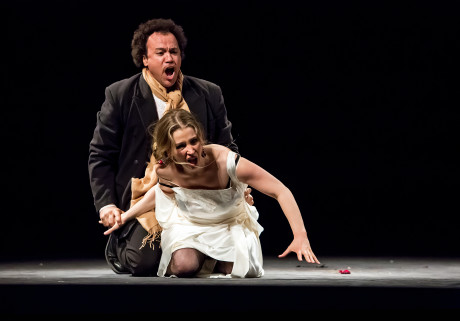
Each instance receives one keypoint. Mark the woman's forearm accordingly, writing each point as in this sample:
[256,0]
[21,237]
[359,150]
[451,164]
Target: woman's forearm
[146,204]
[292,212]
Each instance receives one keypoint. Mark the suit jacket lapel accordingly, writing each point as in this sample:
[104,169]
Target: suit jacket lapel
[146,107]
[195,101]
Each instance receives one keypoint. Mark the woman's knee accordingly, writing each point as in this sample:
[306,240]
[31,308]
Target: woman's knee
[224,267]
[186,262]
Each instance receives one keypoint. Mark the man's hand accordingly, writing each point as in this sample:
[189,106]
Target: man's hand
[116,226]
[110,216]
[248,197]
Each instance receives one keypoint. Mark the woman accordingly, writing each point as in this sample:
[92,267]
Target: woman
[207,226]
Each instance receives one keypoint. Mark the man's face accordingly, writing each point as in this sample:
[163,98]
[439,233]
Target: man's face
[163,58]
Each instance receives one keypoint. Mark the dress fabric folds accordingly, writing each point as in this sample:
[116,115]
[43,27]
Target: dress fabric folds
[218,223]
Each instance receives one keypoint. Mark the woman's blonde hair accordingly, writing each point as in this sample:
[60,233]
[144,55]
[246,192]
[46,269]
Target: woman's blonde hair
[163,142]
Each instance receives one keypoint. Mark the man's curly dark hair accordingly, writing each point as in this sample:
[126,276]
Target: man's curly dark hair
[143,32]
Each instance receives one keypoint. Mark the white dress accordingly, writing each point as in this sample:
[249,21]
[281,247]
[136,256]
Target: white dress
[218,223]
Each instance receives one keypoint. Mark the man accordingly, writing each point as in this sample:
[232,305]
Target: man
[121,146]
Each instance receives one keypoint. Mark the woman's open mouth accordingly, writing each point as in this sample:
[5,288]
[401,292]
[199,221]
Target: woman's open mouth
[192,161]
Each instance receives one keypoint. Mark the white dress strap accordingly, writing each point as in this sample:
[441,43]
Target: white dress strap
[231,167]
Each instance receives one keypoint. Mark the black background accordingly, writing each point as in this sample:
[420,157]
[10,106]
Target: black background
[353,105]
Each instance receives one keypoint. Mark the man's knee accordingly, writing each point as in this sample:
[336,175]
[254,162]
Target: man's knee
[140,261]
[144,262]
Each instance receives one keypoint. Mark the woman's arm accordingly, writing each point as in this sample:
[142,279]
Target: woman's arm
[144,205]
[258,178]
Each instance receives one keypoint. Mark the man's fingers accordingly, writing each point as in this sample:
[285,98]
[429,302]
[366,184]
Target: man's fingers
[248,197]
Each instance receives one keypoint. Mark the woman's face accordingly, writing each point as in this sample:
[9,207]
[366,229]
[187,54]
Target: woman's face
[187,147]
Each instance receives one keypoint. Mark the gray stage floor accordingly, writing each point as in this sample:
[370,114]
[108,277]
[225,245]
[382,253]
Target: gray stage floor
[90,286]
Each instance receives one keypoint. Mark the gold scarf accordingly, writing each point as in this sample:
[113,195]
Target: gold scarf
[173,98]
[140,186]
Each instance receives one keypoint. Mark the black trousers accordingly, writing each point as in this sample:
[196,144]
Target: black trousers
[139,261]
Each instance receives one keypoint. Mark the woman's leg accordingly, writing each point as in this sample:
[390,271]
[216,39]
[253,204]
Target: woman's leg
[185,263]
[224,267]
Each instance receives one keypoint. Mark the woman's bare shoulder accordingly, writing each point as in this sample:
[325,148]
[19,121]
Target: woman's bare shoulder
[219,153]
[166,184]
[217,150]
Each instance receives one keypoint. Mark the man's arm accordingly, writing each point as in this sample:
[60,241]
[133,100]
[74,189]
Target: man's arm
[223,126]
[104,151]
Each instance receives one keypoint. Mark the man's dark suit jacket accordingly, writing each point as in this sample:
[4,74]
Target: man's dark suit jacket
[121,144]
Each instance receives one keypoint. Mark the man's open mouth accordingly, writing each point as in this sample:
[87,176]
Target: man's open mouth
[169,71]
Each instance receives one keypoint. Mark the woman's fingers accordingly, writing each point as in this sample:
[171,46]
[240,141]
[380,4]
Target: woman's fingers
[113,228]
[285,253]
[310,257]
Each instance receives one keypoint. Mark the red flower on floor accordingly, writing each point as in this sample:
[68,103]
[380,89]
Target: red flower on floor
[344,271]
